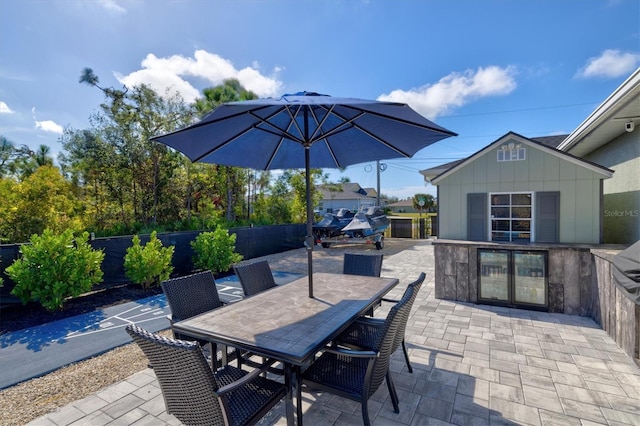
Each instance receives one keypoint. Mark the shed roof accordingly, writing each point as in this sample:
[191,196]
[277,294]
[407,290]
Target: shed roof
[429,174]
[607,173]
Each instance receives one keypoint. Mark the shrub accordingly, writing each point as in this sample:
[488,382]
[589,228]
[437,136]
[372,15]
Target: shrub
[215,250]
[55,267]
[148,265]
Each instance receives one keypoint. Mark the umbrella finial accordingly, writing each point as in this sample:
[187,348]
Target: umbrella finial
[304,93]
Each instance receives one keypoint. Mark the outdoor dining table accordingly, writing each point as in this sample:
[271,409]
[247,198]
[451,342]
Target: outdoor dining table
[286,325]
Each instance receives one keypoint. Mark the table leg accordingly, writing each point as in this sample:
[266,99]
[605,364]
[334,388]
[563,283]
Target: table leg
[298,384]
[223,351]
[288,398]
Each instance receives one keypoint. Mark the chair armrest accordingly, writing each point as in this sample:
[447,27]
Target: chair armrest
[351,353]
[369,321]
[384,299]
[245,379]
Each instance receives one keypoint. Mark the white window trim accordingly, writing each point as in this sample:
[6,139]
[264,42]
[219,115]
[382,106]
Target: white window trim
[508,154]
[533,222]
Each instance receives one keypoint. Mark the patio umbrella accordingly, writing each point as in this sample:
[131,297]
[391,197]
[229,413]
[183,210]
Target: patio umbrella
[305,130]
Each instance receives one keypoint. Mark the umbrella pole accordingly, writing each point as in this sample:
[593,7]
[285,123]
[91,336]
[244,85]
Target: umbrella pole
[310,239]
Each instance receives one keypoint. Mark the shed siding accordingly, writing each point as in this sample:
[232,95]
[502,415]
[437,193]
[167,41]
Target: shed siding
[541,171]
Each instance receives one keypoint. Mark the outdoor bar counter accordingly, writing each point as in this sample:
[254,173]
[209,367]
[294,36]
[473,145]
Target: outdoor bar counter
[574,279]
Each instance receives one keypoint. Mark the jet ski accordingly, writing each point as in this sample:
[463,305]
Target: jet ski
[331,224]
[367,222]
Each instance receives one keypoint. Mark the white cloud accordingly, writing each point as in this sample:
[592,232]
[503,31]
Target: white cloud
[610,64]
[4,108]
[49,126]
[456,90]
[112,6]
[169,74]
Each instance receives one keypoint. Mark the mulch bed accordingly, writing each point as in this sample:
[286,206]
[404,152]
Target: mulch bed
[17,317]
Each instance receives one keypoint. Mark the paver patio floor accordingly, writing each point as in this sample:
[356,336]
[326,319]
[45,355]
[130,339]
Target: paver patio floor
[473,365]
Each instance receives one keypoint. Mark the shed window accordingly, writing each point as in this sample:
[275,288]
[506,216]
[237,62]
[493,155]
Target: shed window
[512,154]
[511,216]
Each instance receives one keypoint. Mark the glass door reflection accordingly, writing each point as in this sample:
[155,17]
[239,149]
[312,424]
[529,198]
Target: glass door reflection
[494,275]
[530,278]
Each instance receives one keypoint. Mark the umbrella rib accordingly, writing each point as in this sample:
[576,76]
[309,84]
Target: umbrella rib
[345,125]
[319,124]
[411,123]
[204,123]
[278,132]
[293,121]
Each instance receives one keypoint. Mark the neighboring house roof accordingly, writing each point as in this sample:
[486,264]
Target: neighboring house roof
[371,192]
[608,121]
[402,203]
[345,191]
[607,173]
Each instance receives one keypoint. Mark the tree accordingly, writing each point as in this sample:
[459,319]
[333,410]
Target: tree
[234,177]
[44,200]
[139,172]
[8,212]
[427,201]
[15,160]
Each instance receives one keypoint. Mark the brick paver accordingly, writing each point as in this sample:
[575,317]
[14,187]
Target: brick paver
[473,364]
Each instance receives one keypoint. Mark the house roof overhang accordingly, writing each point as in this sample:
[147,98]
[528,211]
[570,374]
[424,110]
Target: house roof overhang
[608,120]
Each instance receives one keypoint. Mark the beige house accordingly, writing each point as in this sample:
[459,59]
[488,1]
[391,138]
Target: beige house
[521,190]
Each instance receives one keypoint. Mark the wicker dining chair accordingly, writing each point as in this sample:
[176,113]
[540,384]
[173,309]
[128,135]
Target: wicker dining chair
[362,264]
[369,265]
[195,394]
[362,334]
[255,277]
[357,374]
[189,296]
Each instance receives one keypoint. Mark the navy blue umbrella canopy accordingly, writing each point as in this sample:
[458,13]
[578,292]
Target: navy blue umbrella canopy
[272,133]
[305,130]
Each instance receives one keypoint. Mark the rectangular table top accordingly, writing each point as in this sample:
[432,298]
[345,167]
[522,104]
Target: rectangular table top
[284,322]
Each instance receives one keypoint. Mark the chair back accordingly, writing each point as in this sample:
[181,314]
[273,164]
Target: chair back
[362,264]
[191,295]
[255,277]
[187,383]
[402,322]
[377,369]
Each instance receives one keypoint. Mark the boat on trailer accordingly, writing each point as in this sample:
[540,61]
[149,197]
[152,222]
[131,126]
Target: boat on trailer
[366,227]
[368,222]
[332,223]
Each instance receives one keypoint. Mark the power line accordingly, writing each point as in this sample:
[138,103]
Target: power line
[518,110]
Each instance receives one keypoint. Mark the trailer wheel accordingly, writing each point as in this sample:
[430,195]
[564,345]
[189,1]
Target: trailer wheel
[326,245]
[380,244]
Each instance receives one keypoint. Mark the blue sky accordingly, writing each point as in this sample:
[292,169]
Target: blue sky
[480,68]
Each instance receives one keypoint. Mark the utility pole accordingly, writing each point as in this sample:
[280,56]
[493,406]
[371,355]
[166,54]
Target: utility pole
[379,168]
[378,179]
